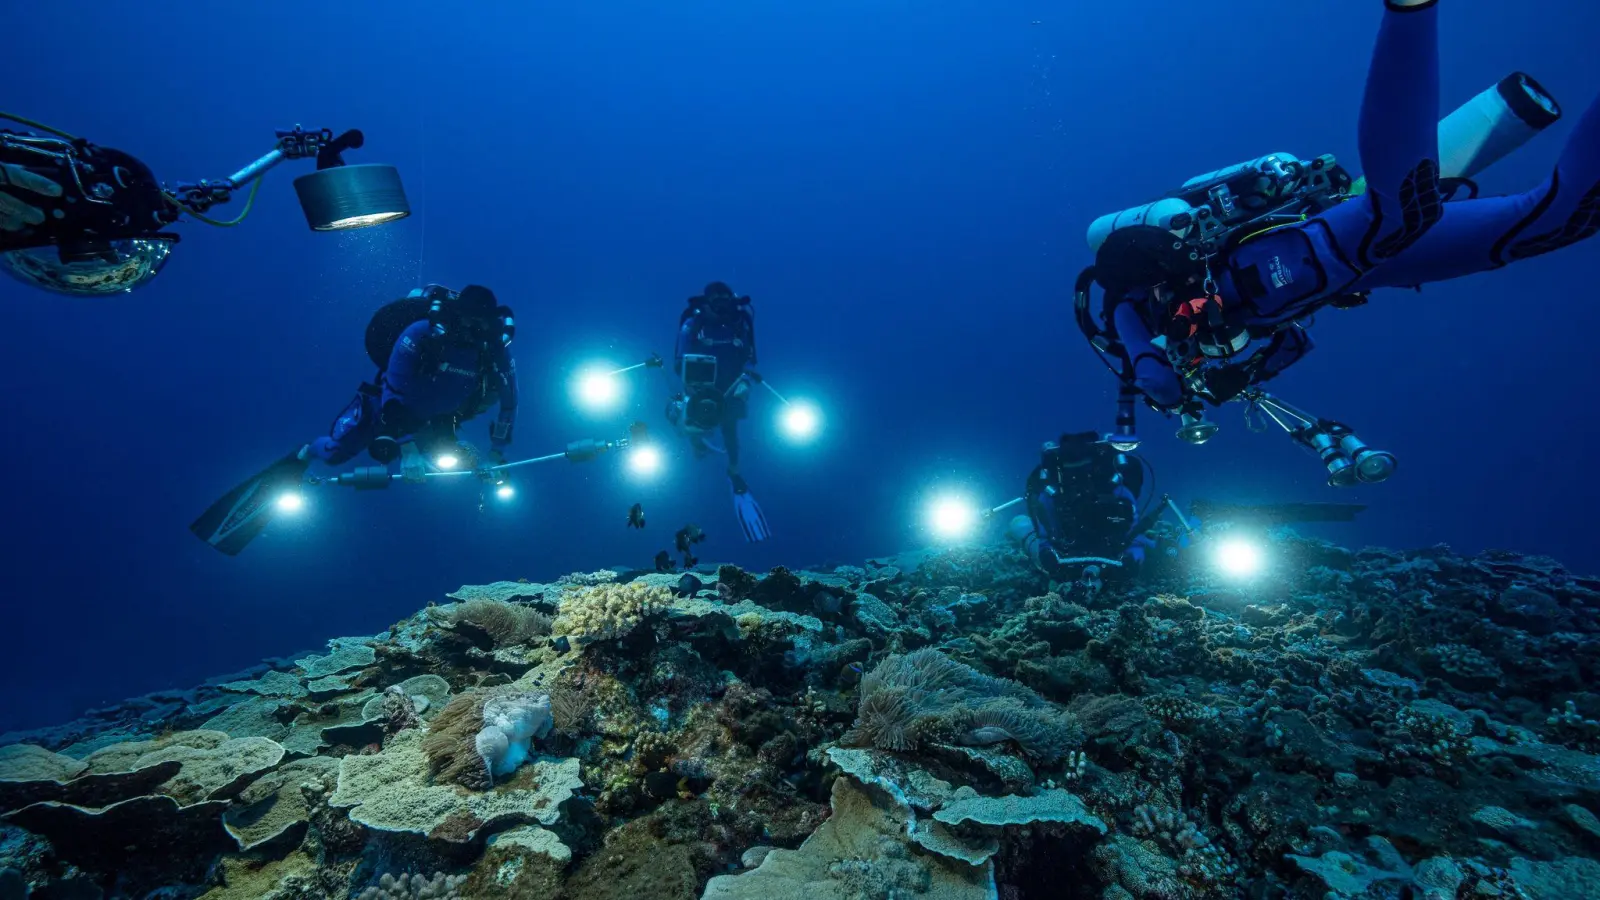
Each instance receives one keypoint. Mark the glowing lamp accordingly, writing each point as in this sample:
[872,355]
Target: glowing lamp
[340,198]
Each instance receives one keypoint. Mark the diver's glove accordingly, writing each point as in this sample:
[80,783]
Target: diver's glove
[17,184]
[1226,382]
[485,468]
[413,467]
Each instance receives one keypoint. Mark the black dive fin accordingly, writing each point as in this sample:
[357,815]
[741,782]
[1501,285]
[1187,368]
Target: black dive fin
[235,520]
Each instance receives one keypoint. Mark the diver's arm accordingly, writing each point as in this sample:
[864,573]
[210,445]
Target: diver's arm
[405,372]
[500,433]
[1287,348]
[1284,350]
[681,347]
[1151,373]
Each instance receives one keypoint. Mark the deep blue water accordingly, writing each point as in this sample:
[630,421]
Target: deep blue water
[902,187]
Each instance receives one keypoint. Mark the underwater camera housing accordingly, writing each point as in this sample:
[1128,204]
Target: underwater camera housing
[702,410]
[104,233]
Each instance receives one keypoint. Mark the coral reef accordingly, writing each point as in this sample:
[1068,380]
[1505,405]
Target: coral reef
[1366,725]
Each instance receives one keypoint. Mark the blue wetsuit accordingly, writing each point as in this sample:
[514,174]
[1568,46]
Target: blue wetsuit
[1400,233]
[460,381]
[730,339]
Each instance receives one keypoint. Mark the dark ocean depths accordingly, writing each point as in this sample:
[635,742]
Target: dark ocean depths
[901,187]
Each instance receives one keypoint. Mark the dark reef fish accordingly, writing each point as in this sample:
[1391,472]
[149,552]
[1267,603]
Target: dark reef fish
[636,516]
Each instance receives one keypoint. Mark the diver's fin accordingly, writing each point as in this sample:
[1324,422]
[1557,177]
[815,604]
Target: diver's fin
[235,520]
[751,518]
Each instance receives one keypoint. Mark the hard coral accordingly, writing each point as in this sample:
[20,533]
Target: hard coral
[608,611]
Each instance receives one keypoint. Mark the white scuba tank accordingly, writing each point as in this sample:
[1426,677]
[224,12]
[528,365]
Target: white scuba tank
[1479,133]
[1491,125]
[1178,216]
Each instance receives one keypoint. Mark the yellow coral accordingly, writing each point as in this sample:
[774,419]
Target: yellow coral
[608,611]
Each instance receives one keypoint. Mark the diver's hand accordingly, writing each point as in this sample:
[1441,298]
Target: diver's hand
[16,213]
[413,468]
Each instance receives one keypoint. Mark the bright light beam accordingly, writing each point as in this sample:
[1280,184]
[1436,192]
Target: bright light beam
[505,492]
[644,460]
[598,389]
[800,421]
[291,502]
[447,461]
[951,517]
[1238,558]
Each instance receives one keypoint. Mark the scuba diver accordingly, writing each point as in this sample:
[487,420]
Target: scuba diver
[1083,510]
[85,220]
[1208,292]
[443,358]
[713,356]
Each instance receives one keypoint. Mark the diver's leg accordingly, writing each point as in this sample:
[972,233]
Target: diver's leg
[1398,139]
[730,443]
[351,432]
[1477,235]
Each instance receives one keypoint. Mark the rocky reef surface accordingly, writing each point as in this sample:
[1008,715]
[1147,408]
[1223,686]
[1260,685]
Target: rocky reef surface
[942,725]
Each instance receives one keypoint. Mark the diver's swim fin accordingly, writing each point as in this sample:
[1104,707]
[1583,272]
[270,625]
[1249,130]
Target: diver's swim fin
[751,518]
[235,520]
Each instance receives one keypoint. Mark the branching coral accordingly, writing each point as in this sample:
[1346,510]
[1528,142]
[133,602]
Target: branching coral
[507,624]
[914,697]
[415,887]
[608,611]
[1199,860]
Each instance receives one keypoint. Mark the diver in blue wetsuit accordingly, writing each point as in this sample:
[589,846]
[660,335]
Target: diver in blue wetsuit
[714,357]
[444,359]
[1083,509]
[1209,291]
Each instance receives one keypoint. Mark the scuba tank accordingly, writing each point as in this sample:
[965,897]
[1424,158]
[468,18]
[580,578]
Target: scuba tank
[1490,126]
[1476,135]
[432,303]
[1210,208]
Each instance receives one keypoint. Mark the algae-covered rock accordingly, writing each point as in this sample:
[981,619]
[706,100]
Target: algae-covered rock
[214,773]
[144,840]
[272,684]
[256,717]
[1047,806]
[348,653]
[392,791]
[862,850]
[21,763]
[428,695]
[277,802]
[307,734]
[254,879]
[1562,879]
[499,592]
[903,779]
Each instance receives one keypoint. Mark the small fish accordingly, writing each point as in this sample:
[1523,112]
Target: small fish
[688,536]
[665,562]
[636,516]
